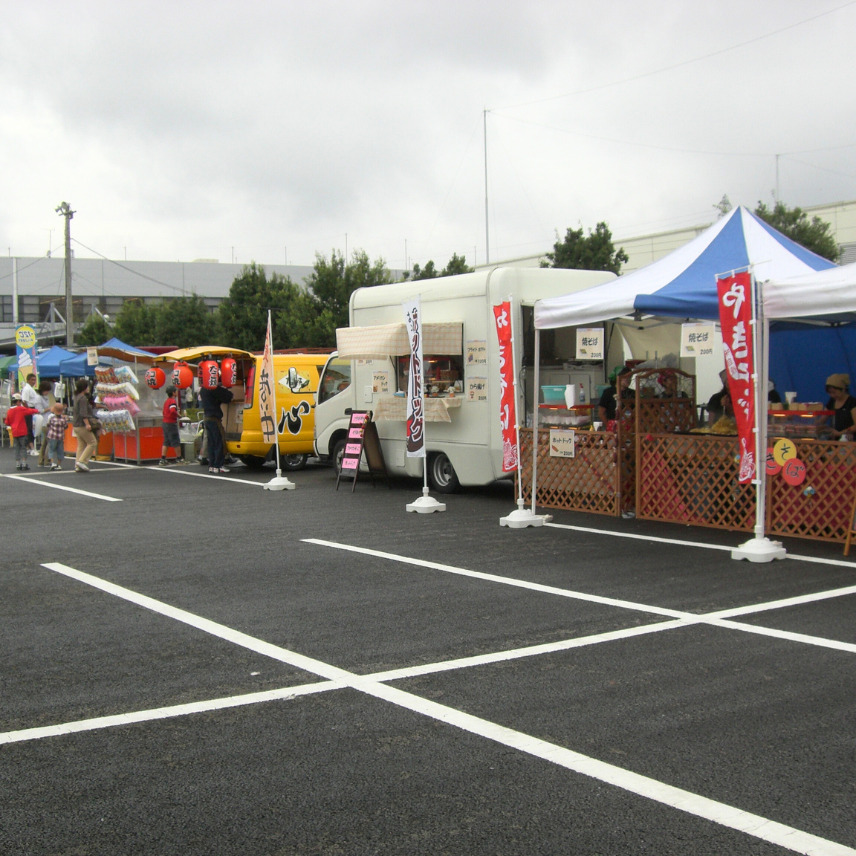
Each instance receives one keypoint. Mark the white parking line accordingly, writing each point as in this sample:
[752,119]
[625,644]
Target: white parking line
[69,489]
[715,619]
[665,794]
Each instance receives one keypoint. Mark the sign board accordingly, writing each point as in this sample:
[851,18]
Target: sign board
[362,437]
[562,443]
[697,340]
[590,343]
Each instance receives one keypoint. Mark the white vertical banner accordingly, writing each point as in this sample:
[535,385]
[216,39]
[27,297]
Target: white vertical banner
[267,392]
[415,401]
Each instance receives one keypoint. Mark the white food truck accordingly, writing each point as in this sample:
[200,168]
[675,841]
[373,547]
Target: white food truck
[461,373]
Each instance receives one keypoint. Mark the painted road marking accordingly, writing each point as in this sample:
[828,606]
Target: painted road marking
[715,619]
[57,486]
[676,798]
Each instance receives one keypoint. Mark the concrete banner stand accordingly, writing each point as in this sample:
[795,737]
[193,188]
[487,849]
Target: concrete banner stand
[522,517]
[425,504]
[759,550]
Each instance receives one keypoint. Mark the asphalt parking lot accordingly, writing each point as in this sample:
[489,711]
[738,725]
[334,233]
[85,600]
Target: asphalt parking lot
[192,664]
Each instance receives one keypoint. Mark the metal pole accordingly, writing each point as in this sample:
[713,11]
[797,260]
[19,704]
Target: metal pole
[486,225]
[64,210]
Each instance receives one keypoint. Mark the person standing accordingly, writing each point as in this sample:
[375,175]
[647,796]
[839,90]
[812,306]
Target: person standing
[82,426]
[29,397]
[171,439]
[843,406]
[16,419]
[55,426]
[211,400]
[43,405]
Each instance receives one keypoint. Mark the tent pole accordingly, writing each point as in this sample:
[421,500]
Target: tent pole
[760,548]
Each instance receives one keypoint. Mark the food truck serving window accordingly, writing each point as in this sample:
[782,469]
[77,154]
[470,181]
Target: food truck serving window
[443,373]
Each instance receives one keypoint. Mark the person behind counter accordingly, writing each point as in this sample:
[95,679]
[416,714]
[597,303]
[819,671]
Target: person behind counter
[607,405]
[843,406]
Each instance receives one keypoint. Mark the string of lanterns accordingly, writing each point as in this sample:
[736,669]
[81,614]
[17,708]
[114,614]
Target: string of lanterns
[209,372]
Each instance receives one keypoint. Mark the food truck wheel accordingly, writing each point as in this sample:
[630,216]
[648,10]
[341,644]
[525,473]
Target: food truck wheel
[293,462]
[254,462]
[441,474]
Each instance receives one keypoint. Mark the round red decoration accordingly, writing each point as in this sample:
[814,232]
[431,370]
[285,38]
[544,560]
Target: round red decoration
[155,377]
[182,376]
[793,472]
[209,374]
[228,372]
[773,466]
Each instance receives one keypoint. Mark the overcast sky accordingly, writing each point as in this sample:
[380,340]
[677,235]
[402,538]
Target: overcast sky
[270,131]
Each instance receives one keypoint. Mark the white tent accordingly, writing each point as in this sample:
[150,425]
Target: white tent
[828,295]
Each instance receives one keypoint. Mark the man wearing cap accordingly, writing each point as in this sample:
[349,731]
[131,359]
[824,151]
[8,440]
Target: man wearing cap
[843,406]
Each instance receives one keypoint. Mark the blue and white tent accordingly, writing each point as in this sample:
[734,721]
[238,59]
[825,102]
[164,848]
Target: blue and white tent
[683,284]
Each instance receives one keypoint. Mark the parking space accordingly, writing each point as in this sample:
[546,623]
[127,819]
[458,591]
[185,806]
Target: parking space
[195,664]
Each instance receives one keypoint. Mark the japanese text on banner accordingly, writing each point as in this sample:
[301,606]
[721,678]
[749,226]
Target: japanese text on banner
[415,405]
[507,415]
[735,316]
[267,405]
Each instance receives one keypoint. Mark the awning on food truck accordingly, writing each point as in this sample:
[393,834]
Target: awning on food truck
[390,340]
[189,355]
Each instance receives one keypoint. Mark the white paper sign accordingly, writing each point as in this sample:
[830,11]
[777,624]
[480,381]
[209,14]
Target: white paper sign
[562,443]
[589,343]
[697,340]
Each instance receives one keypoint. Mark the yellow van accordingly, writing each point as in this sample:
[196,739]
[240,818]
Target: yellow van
[296,382]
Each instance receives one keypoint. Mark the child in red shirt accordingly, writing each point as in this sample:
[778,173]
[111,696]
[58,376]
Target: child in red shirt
[16,419]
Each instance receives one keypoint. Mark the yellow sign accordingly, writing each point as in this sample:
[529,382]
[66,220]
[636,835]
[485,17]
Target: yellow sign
[783,451]
[25,337]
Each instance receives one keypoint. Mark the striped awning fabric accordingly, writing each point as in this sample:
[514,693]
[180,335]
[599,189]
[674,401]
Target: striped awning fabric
[390,340]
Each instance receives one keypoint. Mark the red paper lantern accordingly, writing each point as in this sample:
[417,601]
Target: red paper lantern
[209,374]
[155,377]
[228,371]
[182,376]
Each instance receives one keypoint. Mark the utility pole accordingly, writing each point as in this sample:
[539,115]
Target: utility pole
[486,227]
[64,210]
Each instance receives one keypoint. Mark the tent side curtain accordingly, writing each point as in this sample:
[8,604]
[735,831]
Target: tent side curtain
[390,340]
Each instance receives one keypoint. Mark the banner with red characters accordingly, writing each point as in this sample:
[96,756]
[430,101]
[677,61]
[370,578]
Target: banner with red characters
[735,316]
[267,390]
[507,415]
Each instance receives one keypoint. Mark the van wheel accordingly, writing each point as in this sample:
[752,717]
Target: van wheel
[441,474]
[254,462]
[293,462]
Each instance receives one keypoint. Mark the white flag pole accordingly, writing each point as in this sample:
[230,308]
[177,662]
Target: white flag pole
[278,482]
[416,446]
[521,517]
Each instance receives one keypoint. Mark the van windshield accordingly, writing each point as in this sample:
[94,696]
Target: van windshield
[336,379]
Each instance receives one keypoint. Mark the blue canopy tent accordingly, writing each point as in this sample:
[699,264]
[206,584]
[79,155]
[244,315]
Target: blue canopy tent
[77,365]
[682,285]
[48,362]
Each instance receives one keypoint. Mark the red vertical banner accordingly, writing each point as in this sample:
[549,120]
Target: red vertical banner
[507,415]
[735,316]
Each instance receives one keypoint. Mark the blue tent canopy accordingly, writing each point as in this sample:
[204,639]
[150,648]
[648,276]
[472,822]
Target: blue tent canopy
[683,284]
[48,362]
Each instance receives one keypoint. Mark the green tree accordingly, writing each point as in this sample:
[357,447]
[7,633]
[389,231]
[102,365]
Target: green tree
[95,331]
[184,322]
[329,289]
[595,252]
[815,234]
[242,316]
[457,264]
[136,323]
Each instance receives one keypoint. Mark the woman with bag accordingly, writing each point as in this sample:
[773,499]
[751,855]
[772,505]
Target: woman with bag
[82,425]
